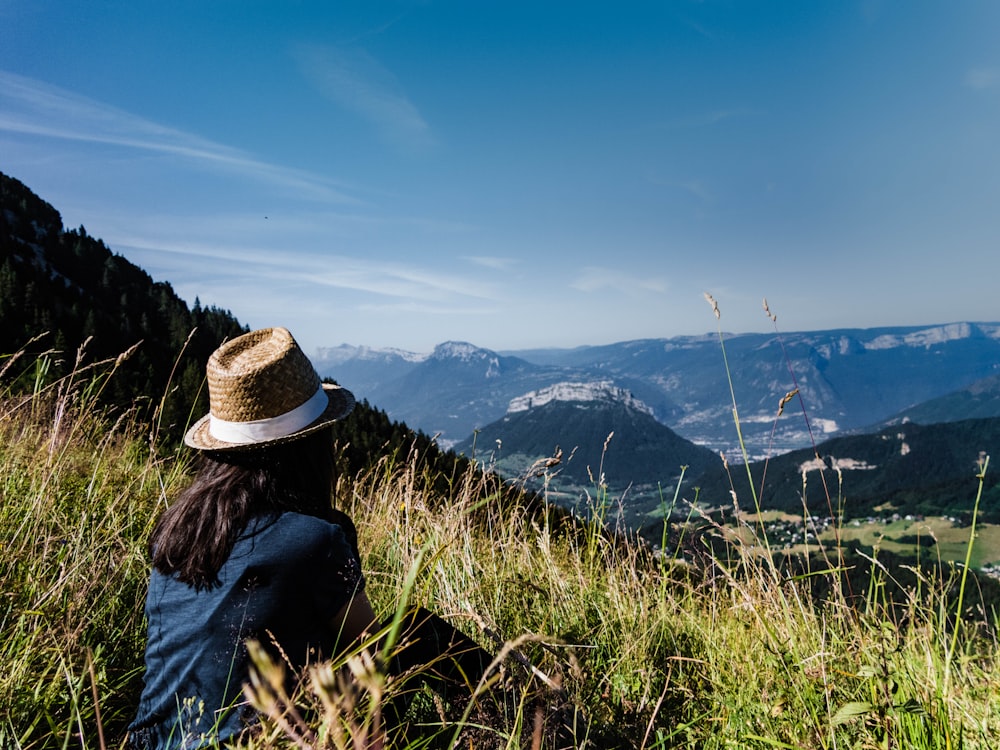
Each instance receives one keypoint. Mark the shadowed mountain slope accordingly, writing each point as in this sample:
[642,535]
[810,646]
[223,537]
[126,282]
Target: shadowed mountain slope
[912,468]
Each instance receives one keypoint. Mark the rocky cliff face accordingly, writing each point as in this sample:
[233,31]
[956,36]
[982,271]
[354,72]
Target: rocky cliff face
[602,390]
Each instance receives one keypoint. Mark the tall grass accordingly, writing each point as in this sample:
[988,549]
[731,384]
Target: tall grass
[728,652]
[78,493]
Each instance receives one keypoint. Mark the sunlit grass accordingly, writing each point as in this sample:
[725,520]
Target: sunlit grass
[723,651]
[937,538]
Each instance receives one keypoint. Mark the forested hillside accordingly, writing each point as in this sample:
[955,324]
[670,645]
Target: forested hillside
[65,294]
[910,468]
[605,445]
[979,400]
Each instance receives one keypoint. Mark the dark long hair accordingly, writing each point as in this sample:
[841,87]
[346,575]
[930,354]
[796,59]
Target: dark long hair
[196,533]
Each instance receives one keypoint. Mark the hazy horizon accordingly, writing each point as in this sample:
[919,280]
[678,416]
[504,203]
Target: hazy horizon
[713,334]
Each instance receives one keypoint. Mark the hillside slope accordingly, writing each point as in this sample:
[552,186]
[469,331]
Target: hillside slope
[910,468]
[606,440]
[62,290]
[980,400]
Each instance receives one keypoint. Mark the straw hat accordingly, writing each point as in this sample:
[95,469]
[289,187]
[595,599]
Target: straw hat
[262,391]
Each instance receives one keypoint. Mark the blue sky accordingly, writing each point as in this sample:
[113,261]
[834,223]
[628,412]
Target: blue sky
[523,174]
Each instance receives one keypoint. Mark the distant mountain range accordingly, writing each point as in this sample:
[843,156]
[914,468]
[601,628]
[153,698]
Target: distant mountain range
[595,448]
[626,417]
[847,381]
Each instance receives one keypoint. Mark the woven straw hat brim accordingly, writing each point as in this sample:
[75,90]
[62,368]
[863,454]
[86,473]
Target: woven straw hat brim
[341,404]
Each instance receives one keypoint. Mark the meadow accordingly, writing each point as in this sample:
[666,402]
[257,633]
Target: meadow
[641,650]
[938,538]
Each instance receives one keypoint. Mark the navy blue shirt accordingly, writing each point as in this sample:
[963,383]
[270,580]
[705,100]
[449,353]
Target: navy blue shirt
[285,580]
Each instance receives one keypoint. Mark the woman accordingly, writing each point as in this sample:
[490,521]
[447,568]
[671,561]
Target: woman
[254,549]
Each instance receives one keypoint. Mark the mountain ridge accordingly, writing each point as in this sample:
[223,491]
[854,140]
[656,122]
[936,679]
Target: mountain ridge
[72,286]
[847,380]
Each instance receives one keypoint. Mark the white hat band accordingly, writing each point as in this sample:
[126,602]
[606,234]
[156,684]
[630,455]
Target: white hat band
[244,433]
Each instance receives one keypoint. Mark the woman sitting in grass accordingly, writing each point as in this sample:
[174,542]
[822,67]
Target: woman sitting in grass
[253,549]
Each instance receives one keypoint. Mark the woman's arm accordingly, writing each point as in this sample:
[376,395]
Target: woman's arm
[355,620]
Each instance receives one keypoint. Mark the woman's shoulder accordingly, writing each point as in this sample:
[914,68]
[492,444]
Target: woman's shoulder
[291,540]
[292,523]
[292,529]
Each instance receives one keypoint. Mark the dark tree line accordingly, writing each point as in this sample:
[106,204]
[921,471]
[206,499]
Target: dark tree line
[368,434]
[60,290]
[64,295]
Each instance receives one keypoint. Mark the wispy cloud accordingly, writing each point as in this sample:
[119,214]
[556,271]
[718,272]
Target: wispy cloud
[596,278]
[308,267]
[982,78]
[355,80]
[698,27]
[492,262]
[33,108]
[415,308]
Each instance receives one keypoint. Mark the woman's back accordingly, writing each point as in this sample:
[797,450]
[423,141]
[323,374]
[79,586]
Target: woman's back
[285,579]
